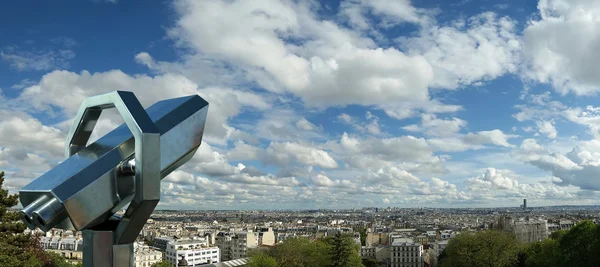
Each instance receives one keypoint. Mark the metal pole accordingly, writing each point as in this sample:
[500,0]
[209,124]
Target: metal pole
[99,250]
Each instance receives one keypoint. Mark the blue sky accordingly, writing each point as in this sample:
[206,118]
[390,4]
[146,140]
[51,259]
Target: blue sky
[328,104]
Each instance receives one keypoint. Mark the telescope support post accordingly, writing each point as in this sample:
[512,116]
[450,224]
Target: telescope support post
[99,249]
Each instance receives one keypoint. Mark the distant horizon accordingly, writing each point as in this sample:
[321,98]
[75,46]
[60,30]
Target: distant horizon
[329,209]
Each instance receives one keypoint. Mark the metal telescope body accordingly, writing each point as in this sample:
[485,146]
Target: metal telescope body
[123,167]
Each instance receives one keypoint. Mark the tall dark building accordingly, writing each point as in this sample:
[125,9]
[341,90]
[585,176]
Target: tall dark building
[524,203]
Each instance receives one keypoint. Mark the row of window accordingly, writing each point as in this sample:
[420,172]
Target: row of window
[406,265]
[403,248]
[405,254]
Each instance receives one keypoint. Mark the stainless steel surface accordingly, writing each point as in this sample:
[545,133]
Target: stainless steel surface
[91,185]
[123,167]
[99,250]
[51,211]
[27,212]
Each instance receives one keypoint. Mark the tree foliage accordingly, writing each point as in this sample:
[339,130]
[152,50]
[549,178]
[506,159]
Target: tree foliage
[486,248]
[16,248]
[344,252]
[261,259]
[162,263]
[338,250]
[363,236]
[579,246]
[368,262]
[542,254]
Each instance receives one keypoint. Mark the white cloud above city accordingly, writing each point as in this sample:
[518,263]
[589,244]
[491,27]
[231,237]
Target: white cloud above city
[334,111]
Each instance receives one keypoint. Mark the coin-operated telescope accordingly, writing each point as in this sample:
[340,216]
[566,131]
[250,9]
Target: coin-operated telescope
[123,167]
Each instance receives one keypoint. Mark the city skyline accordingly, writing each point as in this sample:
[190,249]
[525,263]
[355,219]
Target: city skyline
[330,104]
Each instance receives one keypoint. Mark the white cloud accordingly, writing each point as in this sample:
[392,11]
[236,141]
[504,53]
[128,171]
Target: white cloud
[243,151]
[387,13]
[478,140]
[573,168]
[433,126]
[482,48]
[547,128]
[345,118]
[590,117]
[305,125]
[494,179]
[67,90]
[550,52]
[329,66]
[37,60]
[495,137]
[403,148]
[286,153]
[20,133]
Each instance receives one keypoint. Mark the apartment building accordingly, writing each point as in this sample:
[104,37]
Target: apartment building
[235,245]
[195,252]
[161,242]
[266,237]
[404,252]
[146,257]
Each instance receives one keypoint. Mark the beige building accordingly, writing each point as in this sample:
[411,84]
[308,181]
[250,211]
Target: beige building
[266,237]
[68,247]
[374,239]
[406,253]
[235,245]
[146,257]
[526,230]
[403,252]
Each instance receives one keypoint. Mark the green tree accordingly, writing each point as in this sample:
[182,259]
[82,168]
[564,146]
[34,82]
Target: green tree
[371,262]
[486,248]
[344,252]
[16,248]
[261,259]
[363,236]
[543,254]
[300,251]
[557,235]
[578,247]
[162,263]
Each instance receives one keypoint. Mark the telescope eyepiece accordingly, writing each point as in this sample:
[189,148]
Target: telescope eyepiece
[49,214]
[27,212]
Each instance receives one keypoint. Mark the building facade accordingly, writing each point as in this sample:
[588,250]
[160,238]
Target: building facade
[147,257]
[526,230]
[235,245]
[406,253]
[195,252]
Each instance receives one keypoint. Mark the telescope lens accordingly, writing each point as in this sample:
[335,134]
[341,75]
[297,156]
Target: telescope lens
[41,222]
[27,220]
[49,214]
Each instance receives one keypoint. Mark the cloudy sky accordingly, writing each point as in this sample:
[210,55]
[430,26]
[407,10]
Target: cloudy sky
[325,104]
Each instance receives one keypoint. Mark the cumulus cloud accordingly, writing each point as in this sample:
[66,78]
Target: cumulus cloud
[483,47]
[67,90]
[330,66]
[547,128]
[287,153]
[551,55]
[433,126]
[573,168]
